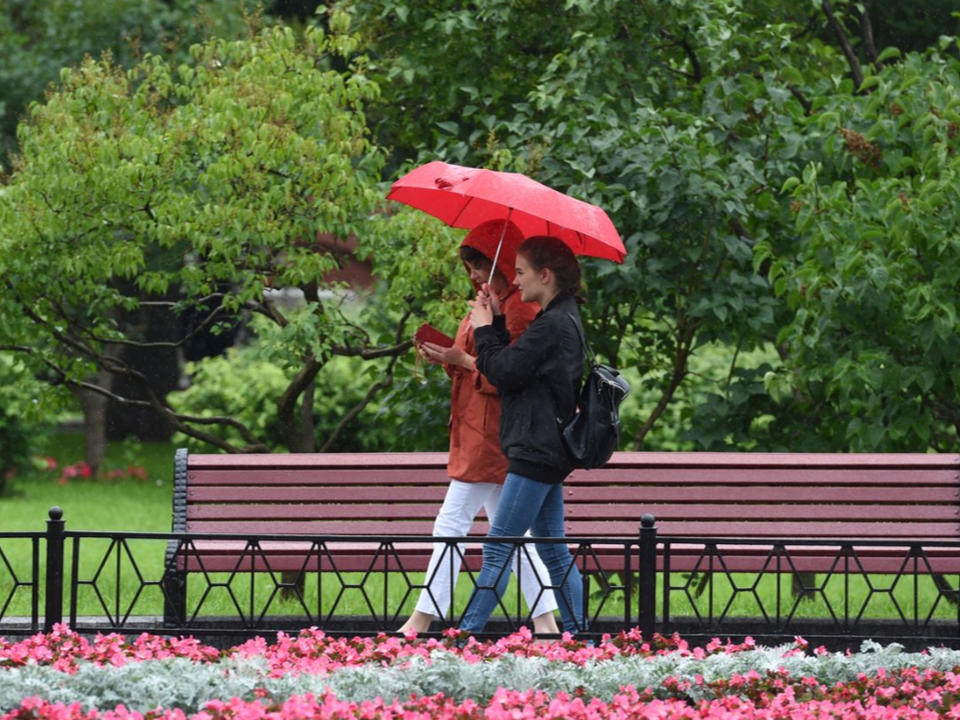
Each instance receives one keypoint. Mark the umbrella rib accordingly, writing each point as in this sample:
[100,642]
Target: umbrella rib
[503,232]
[460,212]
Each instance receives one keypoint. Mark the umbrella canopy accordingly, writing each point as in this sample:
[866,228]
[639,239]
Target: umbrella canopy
[464,197]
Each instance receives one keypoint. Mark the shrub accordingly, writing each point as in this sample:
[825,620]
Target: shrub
[21,426]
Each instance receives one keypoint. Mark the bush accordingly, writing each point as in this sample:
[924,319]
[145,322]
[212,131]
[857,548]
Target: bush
[22,428]
[245,383]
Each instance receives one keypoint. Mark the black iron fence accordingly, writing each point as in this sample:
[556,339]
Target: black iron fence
[167,583]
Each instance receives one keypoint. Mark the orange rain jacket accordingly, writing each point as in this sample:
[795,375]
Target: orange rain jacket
[475,454]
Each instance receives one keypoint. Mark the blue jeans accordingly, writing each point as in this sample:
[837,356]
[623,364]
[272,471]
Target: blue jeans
[526,504]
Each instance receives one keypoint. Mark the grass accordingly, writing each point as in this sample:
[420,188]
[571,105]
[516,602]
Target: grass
[143,504]
[127,503]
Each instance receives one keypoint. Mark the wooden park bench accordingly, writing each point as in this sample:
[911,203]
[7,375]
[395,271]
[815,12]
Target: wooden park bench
[714,512]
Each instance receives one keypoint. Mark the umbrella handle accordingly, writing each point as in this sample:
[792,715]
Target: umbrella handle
[503,232]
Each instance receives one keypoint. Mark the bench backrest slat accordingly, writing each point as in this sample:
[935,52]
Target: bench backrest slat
[640,475]
[582,495]
[628,460]
[377,477]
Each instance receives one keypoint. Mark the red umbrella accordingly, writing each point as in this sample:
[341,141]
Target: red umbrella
[465,197]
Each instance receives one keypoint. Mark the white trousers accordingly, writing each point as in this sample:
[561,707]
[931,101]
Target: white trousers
[456,516]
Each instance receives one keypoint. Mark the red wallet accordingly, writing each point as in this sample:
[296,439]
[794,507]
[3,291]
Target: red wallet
[428,333]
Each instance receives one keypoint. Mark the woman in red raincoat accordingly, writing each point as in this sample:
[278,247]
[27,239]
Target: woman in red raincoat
[477,466]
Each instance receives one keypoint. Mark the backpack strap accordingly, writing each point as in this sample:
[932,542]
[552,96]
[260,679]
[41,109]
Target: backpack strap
[587,350]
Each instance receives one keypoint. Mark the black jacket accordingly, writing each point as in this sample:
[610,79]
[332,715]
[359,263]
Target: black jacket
[538,378]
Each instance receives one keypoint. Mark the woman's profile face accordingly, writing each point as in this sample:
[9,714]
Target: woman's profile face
[479,273]
[528,281]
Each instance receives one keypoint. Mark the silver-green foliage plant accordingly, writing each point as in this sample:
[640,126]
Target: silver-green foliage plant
[184,684]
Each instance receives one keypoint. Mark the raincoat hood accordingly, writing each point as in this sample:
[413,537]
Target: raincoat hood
[485,237]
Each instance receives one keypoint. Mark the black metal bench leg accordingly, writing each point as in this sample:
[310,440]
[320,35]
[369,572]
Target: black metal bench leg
[174,590]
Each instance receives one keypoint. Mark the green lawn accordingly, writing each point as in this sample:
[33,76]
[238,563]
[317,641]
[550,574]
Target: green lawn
[89,504]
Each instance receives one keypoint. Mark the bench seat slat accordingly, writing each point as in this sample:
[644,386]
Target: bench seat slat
[362,563]
[677,549]
[631,478]
[224,556]
[914,514]
[599,528]
[792,529]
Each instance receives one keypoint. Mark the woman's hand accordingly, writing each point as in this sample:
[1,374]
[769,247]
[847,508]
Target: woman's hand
[481,313]
[438,354]
[492,298]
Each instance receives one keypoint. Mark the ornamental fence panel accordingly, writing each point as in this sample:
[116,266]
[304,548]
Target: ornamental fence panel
[697,587]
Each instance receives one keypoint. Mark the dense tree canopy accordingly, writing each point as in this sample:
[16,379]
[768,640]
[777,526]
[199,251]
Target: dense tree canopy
[685,121]
[872,276]
[782,176]
[40,37]
[200,187]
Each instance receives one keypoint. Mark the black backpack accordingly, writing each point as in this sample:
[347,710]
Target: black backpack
[593,433]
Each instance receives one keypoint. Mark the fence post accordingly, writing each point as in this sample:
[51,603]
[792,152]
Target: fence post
[53,594]
[648,576]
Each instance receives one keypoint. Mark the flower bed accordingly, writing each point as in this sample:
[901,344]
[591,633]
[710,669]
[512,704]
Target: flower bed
[62,676]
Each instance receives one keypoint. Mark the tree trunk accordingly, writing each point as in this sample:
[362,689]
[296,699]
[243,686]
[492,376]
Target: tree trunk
[94,407]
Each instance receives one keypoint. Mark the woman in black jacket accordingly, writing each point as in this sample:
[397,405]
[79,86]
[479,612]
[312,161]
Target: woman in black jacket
[538,378]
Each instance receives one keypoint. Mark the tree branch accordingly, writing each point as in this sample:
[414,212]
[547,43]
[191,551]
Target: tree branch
[866,32]
[373,353]
[270,311]
[287,404]
[172,303]
[844,43]
[808,28]
[207,322]
[381,384]
[697,74]
[684,350]
[807,105]
[117,367]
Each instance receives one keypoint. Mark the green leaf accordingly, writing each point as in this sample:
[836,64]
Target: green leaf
[789,184]
[888,53]
[792,75]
